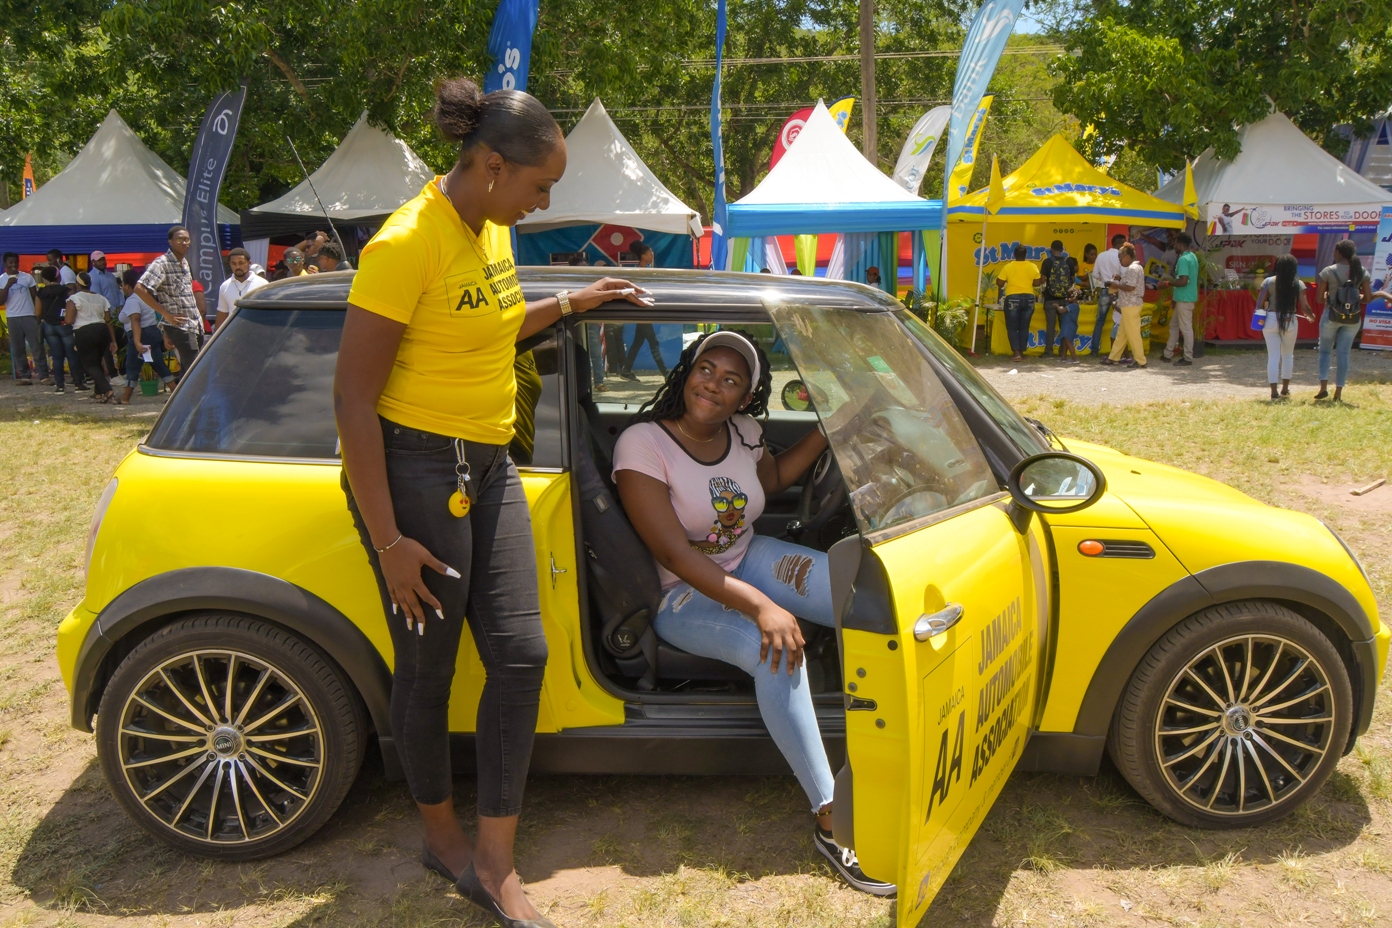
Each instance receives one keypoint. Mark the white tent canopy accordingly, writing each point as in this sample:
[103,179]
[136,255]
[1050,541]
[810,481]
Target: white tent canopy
[824,184]
[1278,165]
[116,187]
[606,182]
[369,175]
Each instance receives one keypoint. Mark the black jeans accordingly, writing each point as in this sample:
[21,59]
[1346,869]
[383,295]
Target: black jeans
[61,347]
[186,345]
[1054,309]
[497,596]
[92,341]
[643,332]
[1019,311]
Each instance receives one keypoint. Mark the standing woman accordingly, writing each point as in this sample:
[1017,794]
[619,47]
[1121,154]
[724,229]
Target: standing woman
[1283,297]
[424,400]
[1130,300]
[1342,317]
[89,314]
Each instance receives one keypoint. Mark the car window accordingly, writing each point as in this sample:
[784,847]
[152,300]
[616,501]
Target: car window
[264,388]
[1026,436]
[537,438]
[617,380]
[900,442]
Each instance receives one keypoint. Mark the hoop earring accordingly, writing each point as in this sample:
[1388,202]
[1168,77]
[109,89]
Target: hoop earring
[490,186]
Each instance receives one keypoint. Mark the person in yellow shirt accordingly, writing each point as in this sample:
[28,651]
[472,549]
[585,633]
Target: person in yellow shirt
[424,397]
[1016,282]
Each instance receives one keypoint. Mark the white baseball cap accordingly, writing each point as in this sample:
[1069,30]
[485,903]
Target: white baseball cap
[739,343]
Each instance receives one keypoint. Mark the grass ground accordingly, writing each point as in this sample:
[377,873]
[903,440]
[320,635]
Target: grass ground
[621,851]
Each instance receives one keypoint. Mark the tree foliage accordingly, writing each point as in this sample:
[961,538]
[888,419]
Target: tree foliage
[1170,78]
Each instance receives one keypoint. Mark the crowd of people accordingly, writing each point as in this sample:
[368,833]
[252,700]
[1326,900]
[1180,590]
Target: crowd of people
[1116,279]
[88,326]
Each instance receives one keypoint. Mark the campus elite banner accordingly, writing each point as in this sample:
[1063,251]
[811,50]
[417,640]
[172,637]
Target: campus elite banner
[960,179]
[720,248]
[207,165]
[1290,219]
[919,147]
[1377,318]
[510,45]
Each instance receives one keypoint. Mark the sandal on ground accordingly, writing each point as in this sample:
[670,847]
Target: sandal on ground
[470,888]
[1322,395]
[103,397]
[432,863]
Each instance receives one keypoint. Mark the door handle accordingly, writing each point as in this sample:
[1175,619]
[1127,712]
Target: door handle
[930,626]
[555,571]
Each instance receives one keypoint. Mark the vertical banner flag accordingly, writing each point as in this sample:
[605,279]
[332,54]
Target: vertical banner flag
[719,244]
[977,65]
[510,45]
[27,187]
[840,111]
[211,151]
[960,178]
[1377,318]
[919,147]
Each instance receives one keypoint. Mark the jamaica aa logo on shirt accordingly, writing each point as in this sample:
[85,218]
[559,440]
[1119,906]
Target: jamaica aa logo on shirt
[469,295]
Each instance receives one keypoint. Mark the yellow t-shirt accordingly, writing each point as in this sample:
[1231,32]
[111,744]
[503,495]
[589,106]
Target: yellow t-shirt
[459,298]
[1019,277]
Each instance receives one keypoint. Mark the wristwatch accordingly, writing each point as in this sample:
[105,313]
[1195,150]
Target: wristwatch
[564,299]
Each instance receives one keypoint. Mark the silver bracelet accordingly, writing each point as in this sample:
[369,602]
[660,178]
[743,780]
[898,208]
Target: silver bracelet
[388,547]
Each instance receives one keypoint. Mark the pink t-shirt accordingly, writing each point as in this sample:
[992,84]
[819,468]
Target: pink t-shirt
[717,503]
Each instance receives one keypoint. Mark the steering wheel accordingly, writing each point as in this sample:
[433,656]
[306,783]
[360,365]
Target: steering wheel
[823,491]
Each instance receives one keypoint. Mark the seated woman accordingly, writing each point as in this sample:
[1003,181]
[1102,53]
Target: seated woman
[693,474]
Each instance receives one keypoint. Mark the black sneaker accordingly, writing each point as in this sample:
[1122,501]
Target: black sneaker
[1183,362]
[843,861]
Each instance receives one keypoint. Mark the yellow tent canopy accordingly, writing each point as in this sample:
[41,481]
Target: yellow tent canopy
[1058,185]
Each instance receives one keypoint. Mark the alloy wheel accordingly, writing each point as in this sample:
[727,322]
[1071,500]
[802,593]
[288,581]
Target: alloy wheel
[221,746]
[1244,725]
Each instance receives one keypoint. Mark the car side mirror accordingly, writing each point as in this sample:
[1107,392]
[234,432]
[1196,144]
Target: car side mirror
[1056,482]
[795,396]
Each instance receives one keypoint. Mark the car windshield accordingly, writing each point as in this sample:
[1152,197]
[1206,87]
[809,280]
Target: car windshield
[264,388]
[900,442]
[1026,436]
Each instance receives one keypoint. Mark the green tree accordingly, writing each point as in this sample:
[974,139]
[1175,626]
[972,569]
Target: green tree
[1169,79]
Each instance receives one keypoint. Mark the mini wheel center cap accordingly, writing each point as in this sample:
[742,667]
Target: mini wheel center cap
[226,742]
[1237,720]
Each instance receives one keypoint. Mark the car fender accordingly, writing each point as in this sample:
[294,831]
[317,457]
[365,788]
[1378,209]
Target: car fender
[154,602]
[1315,596]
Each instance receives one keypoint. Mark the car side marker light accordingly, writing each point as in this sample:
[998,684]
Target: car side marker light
[1091,548]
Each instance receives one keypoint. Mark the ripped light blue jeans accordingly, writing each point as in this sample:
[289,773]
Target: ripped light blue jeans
[797,579]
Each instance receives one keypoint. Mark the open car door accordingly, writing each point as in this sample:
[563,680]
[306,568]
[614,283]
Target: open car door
[940,638]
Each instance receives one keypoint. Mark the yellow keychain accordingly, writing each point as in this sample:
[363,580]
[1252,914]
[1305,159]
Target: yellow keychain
[459,501]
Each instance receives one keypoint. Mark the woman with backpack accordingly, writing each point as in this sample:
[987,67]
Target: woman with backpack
[1283,297]
[1343,289]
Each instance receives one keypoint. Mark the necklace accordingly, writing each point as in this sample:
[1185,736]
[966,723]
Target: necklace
[693,437]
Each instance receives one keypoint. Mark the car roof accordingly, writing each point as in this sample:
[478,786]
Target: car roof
[677,292]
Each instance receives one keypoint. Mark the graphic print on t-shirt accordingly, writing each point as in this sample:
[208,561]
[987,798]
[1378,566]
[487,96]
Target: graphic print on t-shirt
[496,290]
[728,501]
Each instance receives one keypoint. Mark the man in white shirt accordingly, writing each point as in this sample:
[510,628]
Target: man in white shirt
[18,294]
[1104,271]
[66,275]
[242,282]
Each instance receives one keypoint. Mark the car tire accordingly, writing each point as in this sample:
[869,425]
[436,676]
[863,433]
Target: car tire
[1212,729]
[238,785]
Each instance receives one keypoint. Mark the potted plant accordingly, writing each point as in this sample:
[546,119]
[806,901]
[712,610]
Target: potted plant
[149,384]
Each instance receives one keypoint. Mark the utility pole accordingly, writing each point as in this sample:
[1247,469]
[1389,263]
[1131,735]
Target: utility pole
[867,80]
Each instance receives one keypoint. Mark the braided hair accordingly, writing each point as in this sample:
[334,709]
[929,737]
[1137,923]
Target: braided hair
[669,402]
[1287,295]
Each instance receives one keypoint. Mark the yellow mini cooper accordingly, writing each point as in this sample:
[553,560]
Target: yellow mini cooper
[1007,600]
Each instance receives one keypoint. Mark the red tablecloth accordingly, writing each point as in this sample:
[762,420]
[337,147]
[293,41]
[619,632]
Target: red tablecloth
[1230,316]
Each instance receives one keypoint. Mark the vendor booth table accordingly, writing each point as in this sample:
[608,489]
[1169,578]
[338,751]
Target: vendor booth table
[1055,195]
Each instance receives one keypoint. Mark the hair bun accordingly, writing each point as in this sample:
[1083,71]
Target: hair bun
[458,107]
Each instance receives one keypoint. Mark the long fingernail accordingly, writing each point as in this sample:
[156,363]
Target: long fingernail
[393,608]
[451,572]
[420,629]
[440,614]
[408,623]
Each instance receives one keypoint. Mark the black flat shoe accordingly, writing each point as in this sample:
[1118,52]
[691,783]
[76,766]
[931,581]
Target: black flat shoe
[430,862]
[470,888]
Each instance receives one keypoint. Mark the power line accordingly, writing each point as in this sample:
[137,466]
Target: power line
[704,63]
[776,110]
